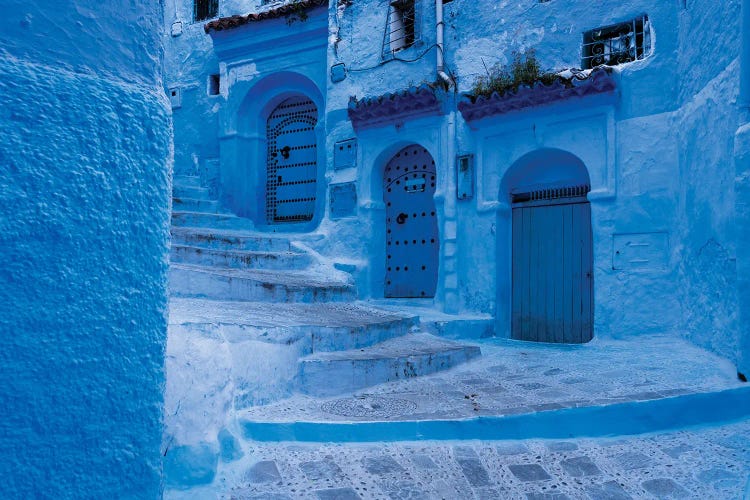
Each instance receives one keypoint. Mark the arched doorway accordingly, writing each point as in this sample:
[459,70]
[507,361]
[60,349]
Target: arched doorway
[291,165]
[551,250]
[412,240]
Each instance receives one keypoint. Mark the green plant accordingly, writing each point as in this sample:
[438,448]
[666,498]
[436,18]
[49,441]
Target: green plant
[524,69]
[298,12]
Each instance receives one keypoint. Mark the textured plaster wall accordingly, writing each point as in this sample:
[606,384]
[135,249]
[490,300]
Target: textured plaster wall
[84,208]
[705,127]
[633,148]
[659,154]
[189,60]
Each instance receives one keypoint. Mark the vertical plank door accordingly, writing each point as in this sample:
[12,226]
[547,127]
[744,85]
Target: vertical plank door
[552,268]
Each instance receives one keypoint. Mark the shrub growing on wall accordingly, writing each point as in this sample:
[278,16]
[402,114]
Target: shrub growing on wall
[524,69]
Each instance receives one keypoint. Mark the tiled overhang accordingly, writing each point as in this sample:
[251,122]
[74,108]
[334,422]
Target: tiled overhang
[395,107]
[598,81]
[288,9]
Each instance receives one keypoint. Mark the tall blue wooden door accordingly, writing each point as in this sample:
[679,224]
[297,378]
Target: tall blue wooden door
[292,167]
[412,243]
[552,266]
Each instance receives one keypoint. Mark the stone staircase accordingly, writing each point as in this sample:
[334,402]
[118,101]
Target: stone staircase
[295,318]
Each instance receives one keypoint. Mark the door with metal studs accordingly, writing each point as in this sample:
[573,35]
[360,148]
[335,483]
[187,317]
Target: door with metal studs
[292,172]
[412,242]
[552,299]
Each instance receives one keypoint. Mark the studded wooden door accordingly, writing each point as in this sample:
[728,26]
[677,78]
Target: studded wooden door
[552,266]
[412,243]
[292,161]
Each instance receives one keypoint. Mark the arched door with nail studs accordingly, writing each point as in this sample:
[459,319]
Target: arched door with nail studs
[412,240]
[291,166]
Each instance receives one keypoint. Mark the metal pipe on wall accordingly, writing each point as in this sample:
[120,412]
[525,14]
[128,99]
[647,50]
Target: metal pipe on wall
[440,26]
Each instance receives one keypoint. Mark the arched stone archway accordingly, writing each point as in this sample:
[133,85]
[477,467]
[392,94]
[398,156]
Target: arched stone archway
[252,122]
[547,243]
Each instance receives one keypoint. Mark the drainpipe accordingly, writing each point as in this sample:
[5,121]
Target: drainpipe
[440,26]
[744,100]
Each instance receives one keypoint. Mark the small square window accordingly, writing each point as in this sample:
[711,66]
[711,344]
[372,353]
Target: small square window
[205,9]
[214,84]
[617,44]
[400,30]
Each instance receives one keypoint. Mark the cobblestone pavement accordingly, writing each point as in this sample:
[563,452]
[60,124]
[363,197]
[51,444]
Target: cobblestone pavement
[712,463]
[520,377]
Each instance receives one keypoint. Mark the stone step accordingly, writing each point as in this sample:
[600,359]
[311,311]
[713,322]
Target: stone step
[464,326]
[320,327]
[187,280]
[186,181]
[229,240]
[194,192]
[241,259]
[212,221]
[331,373]
[195,205]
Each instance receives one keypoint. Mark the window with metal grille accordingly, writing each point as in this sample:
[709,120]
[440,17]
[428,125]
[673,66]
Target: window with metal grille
[205,9]
[617,44]
[400,27]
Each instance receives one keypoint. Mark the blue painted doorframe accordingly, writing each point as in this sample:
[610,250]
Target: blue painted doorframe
[552,266]
[291,168]
[412,241]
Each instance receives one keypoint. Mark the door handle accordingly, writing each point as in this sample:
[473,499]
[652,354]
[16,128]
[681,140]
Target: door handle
[285,152]
[401,218]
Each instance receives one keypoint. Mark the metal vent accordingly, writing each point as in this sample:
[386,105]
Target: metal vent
[551,194]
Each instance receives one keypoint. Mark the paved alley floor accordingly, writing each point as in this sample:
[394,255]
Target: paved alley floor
[708,463]
[515,377]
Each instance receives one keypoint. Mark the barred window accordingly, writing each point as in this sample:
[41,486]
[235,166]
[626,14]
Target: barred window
[205,9]
[401,27]
[617,44]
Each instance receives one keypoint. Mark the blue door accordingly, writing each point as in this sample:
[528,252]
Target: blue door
[412,243]
[552,266]
[292,168]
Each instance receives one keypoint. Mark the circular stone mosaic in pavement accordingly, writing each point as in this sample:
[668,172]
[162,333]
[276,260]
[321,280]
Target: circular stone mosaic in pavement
[369,406]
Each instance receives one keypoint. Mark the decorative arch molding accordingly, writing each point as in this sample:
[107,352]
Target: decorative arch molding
[543,168]
[266,94]
[589,135]
[244,147]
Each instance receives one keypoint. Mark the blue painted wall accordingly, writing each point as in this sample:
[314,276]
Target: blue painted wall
[659,153]
[84,208]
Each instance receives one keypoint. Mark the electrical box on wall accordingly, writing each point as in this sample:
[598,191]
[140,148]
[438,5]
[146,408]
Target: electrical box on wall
[640,251]
[177,28]
[343,200]
[175,97]
[338,72]
[465,177]
[345,154]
